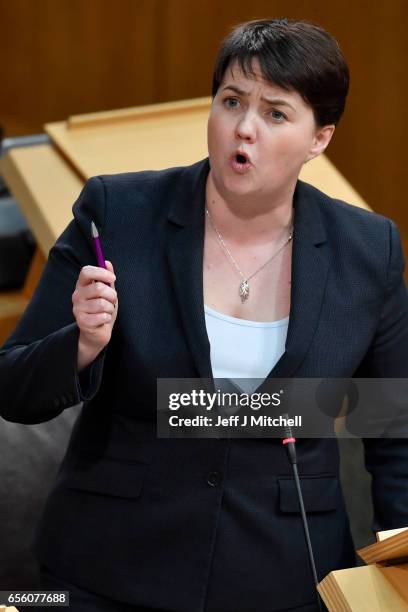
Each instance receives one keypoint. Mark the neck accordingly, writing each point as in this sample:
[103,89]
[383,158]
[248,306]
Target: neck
[246,220]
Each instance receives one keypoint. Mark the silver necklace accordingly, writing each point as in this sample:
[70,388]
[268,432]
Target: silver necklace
[243,289]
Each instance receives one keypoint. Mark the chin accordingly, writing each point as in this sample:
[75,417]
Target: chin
[233,183]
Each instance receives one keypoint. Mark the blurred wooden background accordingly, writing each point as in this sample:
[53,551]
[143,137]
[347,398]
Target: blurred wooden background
[63,57]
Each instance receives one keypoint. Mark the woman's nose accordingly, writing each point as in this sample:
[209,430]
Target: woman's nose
[246,128]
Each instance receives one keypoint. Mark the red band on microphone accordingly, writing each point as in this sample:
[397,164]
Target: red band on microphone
[287,440]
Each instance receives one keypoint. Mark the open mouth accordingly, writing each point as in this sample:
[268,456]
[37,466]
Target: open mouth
[241,158]
[240,162]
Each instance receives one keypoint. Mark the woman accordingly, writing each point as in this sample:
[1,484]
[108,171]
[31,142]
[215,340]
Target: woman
[228,268]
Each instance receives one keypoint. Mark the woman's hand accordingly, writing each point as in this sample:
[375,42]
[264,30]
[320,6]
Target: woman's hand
[95,307]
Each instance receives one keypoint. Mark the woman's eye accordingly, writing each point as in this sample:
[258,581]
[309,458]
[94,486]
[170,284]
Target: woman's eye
[231,102]
[277,115]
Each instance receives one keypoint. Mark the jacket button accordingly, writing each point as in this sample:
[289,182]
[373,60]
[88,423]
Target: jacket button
[214,479]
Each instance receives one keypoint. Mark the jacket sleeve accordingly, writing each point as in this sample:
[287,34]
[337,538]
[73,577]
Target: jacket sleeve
[387,458]
[38,371]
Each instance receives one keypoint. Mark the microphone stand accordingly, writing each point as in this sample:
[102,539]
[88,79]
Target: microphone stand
[289,443]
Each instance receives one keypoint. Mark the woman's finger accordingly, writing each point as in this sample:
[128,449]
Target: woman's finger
[91,274]
[95,306]
[93,291]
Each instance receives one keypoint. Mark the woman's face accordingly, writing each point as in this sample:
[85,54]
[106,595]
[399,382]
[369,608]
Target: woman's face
[259,136]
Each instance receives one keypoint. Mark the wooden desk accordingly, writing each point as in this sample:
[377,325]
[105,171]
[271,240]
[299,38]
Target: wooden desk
[361,589]
[46,179]
[379,586]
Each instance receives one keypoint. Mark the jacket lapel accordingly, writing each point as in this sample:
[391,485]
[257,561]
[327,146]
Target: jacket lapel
[309,276]
[185,255]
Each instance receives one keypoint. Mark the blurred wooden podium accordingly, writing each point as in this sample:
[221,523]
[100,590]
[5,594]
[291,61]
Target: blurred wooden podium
[379,586]
[46,179]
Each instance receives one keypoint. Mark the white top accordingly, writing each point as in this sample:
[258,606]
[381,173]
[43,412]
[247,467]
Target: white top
[242,349]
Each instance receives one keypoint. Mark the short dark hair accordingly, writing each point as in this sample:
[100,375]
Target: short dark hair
[295,55]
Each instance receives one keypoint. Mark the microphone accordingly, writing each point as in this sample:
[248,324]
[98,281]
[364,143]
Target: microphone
[289,442]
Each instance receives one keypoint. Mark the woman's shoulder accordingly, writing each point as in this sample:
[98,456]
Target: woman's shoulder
[354,236]
[143,181]
[146,187]
[126,193]
[153,178]
[339,216]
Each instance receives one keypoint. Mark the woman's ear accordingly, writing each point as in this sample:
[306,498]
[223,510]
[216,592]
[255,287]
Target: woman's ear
[320,141]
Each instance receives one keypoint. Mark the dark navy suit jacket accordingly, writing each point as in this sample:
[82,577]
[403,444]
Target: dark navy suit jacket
[138,518]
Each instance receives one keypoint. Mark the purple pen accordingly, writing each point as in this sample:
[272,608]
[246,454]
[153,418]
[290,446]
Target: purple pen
[97,246]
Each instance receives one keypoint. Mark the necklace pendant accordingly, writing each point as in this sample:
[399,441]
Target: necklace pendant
[244,291]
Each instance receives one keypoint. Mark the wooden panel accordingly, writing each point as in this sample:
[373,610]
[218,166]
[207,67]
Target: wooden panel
[61,57]
[392,548]
[143,138]
[397,576]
